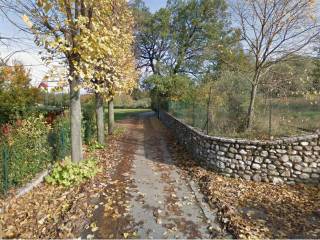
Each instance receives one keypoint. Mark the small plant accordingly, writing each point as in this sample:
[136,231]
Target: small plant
[94,146]
[67,173]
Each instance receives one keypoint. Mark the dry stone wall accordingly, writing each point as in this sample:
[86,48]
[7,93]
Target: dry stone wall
[289,160]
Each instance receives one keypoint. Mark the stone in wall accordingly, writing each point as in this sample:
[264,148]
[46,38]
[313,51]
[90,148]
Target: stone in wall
[289,160]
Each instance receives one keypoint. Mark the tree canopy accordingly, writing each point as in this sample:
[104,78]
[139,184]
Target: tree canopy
[181,38]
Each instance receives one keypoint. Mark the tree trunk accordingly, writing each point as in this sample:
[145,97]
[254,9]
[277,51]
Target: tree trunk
[250,115]
[100,119]
[75,119]
[111,117]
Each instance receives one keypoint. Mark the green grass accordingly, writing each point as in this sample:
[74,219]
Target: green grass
[120,114]
[299,112]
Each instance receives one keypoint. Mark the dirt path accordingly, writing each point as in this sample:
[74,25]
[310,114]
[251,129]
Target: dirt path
[148,196]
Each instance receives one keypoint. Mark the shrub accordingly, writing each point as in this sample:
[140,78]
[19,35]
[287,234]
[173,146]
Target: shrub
[60,139]
[28,150]
[17,95]
[89,121]
[95,146]
[67,173]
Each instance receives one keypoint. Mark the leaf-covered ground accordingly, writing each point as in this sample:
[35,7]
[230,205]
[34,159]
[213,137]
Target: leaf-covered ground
[257,210]
[247,209]
[57,212]
[147,197]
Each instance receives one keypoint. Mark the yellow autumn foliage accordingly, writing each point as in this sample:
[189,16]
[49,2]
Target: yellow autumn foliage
[95,39]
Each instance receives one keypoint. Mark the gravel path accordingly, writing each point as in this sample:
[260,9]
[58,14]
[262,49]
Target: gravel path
[148,196]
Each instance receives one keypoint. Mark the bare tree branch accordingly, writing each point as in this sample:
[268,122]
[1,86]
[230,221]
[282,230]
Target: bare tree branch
[272,31]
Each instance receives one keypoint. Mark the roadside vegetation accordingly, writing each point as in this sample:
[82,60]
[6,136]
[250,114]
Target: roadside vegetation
[31,145]
[62,210]
[241,69]
[86,46]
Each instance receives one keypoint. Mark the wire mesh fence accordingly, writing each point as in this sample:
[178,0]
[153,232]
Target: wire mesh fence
[274,117]
[194,114]
[28,148]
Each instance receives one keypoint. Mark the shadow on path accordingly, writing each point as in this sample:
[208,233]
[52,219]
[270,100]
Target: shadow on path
[148,197]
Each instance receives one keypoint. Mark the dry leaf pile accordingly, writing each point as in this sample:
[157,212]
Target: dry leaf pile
[257,210]
[57,212]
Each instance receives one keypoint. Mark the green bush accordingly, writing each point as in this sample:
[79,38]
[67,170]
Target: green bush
[60,139]
[67,173]
[95,146]
[89,122]
[28,150]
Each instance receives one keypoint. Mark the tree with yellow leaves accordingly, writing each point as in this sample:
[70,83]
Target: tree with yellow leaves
[114,65]
[77,32]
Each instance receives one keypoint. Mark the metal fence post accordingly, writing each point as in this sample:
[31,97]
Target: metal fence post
[158,105]
[193,113]
[270,119]
[208,110]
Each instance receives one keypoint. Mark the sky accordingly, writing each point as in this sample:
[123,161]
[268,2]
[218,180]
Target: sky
[23,48]
[154,5]
[27,51]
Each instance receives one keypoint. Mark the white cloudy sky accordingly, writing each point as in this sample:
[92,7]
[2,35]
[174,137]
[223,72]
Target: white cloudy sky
[22,48]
